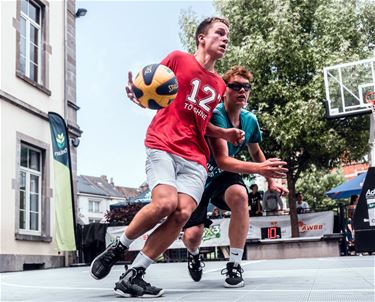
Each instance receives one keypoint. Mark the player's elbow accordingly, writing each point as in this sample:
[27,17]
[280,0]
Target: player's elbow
[222,164]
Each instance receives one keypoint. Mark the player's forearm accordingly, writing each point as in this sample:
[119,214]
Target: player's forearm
[230,164]
[215,131]
[259,157]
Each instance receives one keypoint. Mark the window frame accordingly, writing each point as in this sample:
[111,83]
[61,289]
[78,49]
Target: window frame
[46,191]
[30,22]
[29,172]
[94,201]
[43,44]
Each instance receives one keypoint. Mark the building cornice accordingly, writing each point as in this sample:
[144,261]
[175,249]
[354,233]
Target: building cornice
[74,129]
[22,105]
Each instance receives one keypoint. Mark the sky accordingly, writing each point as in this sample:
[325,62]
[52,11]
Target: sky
[113,38]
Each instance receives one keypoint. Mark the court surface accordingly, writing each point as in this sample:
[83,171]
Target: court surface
[310,279]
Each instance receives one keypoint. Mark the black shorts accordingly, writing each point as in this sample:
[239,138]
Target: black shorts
[214,193]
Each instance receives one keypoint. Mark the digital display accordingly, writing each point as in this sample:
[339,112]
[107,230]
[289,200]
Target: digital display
[271,233]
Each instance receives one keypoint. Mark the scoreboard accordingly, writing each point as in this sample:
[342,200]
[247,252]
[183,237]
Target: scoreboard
[271,232]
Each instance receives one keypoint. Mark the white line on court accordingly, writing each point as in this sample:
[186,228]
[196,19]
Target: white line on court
[199,290]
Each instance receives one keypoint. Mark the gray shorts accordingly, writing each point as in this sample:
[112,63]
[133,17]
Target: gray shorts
[186,176]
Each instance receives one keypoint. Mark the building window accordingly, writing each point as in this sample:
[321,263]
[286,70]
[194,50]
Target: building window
[30,42]
[94,206]
[30,188]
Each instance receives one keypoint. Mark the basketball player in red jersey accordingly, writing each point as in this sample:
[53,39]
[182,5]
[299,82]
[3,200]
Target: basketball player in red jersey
[177,155]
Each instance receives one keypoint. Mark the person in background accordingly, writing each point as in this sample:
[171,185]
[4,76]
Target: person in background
[301,206]
[272,202]
[215,214]
[353,204]
[349,222]
[255,201]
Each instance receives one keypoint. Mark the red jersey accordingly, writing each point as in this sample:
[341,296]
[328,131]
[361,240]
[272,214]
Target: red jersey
[180,127]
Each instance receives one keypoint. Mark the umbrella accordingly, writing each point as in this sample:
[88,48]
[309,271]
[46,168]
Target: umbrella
[349,188]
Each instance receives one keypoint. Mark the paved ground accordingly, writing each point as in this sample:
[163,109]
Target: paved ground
[317,279]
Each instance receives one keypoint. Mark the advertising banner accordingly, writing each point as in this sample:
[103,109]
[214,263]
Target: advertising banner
[310,225]
[63,191]
[364,214]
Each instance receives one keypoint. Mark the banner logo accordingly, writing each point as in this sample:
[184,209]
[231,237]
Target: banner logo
[309,227]
[370,193]
[211,233]
[60,140]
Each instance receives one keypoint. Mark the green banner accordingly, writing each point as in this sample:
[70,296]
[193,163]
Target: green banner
[63,191]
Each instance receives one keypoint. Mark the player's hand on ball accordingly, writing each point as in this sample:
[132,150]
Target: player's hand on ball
[130,92]
[155,87]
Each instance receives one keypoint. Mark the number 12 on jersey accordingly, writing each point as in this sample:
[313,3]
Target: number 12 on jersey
[211,95]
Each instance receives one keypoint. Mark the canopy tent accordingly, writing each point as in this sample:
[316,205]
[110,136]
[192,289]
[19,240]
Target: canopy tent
[349,188]
[144,197]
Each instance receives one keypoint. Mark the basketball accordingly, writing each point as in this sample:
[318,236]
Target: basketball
[155,86]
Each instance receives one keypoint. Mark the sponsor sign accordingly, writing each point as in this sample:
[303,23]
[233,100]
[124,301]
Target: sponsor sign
[310,225]
[63,191]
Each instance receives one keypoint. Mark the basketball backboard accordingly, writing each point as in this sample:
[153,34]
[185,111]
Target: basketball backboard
[346,86]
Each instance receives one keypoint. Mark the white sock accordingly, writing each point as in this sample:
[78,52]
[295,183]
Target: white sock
[194,253]
[235,255]
[142,261]
[125,240]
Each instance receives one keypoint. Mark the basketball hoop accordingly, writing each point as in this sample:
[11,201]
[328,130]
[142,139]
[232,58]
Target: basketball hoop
[370,99]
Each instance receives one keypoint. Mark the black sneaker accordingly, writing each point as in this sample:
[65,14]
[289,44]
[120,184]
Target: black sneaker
[234,275]
[102,264]
[131,284]
[195,266]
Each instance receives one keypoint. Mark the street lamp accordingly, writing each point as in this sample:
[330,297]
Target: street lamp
[81,12]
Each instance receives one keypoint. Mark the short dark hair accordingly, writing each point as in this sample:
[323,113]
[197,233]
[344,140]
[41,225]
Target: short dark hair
[205,25]
[298,193]
[253,185]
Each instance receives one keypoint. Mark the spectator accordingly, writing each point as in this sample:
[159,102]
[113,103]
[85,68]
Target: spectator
[216,214]
[271,202]
[349,222]
[301,206]
[254,201]
[353,204]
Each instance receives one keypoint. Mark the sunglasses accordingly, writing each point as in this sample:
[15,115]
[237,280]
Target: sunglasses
[238,86]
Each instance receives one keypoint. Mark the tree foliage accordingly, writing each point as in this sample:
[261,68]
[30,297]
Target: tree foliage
[313,182]
[286,44]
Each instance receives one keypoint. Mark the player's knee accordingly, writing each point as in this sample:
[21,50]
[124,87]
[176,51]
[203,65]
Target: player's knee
[237,200]
[181,216]
[193,238]
[192,241]
[165,207]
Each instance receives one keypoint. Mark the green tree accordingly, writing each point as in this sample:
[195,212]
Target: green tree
[313,182]
[286,44]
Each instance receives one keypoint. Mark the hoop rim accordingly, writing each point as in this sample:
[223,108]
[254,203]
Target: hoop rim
[367,98]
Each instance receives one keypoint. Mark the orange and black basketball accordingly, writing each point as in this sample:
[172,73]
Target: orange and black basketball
[155,86]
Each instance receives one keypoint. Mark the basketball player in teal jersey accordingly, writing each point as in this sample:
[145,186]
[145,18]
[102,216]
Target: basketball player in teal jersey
[177,155]
[225,187]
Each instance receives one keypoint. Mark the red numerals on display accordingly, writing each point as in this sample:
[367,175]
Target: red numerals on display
[272,233]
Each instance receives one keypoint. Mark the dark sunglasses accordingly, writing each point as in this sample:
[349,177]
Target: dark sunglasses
[239,86]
